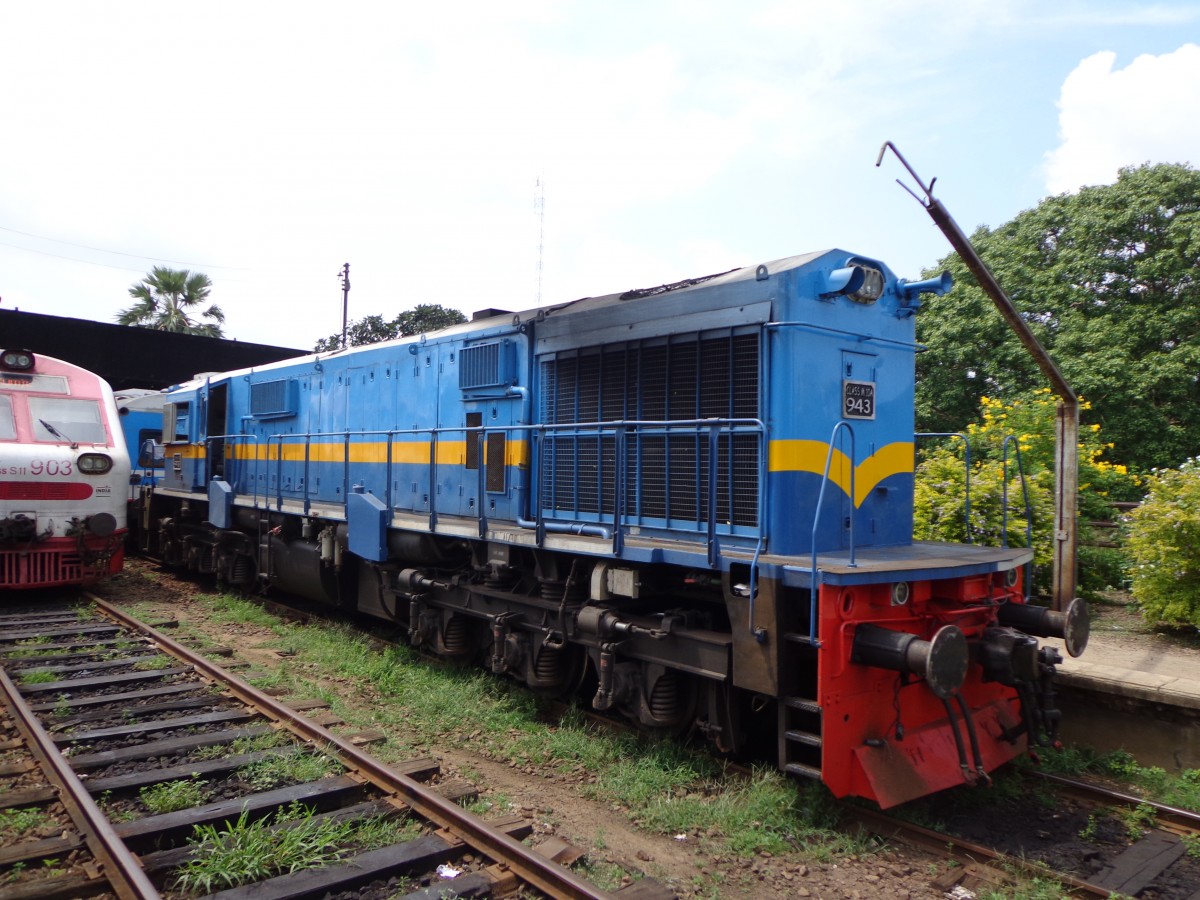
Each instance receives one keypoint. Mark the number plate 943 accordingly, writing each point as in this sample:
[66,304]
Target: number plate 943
[858,400]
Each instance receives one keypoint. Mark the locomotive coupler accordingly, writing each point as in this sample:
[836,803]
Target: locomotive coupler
[604,623]
[411,581]
[1040,716]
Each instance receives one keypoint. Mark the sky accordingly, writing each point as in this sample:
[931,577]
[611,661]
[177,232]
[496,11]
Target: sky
[506,155]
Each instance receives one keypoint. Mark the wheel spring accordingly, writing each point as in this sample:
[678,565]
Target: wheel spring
[554,590]
[242,570]
[549,666]
[455,634]
[499,580]
[664,697]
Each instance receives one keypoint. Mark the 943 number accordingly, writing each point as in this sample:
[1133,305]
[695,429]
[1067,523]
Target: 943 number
[858,400]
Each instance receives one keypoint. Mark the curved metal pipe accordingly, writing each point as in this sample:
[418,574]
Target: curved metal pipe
[568,528]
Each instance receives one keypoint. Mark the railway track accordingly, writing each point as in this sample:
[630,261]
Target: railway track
[1152,856]
[131,766]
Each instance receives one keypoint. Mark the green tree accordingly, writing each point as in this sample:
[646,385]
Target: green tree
[168,299]
[421,319]
[1108,279]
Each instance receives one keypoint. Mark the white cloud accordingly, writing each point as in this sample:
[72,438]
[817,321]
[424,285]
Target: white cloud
[1147,112]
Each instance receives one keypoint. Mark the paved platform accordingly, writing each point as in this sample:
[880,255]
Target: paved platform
[1133,689]
[1167,675]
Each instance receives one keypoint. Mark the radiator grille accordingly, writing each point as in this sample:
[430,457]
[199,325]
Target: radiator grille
[41,568]
[666,474]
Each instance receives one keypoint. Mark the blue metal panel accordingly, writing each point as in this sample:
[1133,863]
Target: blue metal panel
[366,518]
[220,503]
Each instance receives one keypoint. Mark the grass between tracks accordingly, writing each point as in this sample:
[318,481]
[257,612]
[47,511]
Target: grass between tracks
[1151,782]
[661,786]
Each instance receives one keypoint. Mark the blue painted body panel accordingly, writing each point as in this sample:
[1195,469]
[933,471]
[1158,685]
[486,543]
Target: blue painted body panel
[396,418]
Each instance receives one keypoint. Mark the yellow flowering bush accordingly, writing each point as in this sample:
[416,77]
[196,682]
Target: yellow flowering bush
[1023,429]
[1163,541]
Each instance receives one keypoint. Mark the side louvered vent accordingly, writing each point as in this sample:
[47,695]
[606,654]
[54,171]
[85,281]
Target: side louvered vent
[273,399]
[485,366]
[666,471]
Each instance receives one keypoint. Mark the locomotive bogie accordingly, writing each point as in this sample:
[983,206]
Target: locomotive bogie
[696,502]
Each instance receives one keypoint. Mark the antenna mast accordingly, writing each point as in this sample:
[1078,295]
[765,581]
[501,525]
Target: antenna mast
[539,210]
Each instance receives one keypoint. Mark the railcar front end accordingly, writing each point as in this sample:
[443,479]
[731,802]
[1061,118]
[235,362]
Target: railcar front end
[64,474]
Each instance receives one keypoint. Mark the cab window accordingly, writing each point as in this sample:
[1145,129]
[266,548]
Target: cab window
[58,419]
[8,428]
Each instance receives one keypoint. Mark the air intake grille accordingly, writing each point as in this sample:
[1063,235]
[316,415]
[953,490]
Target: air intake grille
[484,365]
[272,399]
[666,472]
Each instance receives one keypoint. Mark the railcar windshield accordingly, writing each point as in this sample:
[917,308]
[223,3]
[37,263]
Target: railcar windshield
[57,419]
[8,428]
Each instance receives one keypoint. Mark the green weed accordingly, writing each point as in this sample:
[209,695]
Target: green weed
[1137,820]
[150,663]
[16,822]
[292,768]
[245,850]
[38,677]
[244,745]
[1090,830]
[170,796]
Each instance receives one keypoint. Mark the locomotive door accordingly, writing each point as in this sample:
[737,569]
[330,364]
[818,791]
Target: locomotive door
[363,413]
[215,429]
[859,411]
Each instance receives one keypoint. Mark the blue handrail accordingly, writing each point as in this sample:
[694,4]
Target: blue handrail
[814,588]
[1028,506]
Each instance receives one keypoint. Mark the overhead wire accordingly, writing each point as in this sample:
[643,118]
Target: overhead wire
[41,237]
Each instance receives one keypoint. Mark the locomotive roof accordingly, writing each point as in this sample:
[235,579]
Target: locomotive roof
[502,319]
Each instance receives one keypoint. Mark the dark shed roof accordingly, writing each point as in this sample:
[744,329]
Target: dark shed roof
[129,357]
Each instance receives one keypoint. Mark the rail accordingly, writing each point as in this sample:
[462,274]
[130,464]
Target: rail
[121,869]
[525,862]
[246,473]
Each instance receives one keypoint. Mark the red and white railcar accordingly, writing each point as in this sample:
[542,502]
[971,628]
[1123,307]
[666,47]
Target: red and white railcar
[64,474]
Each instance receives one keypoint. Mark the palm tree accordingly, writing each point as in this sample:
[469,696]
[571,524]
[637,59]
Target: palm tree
[165,298]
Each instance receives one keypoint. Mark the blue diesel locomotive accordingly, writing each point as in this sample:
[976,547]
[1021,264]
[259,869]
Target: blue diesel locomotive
[695,499]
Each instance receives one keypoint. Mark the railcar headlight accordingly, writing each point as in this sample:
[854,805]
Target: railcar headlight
[16,360]
[900,593]
[872,286]
[94,463]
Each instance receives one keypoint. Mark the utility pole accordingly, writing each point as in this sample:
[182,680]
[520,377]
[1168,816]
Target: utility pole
[345,276]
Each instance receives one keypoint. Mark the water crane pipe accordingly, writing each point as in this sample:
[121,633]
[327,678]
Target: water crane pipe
[1067,421]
